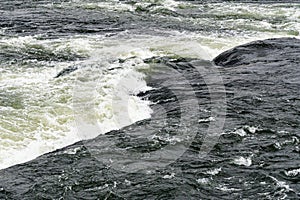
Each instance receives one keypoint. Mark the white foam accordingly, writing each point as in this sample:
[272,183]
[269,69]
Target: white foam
[120,5]
[226,189]
[282,184]
[214,171]
[251,129]
[203,181]
[46,121]
[127,182]
[243,131]
[72,151]
[210,119]
[172,175]
[240,132]
[293,172]
[243,161]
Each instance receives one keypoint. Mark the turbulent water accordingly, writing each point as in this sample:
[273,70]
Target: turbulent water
[155,112]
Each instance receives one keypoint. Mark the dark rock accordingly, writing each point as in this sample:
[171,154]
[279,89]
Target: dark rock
[66,71]
[263,51]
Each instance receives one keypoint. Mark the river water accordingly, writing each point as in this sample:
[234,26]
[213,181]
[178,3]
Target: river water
[72,70]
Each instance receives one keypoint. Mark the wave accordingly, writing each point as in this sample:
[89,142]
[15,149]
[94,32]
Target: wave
[164,149]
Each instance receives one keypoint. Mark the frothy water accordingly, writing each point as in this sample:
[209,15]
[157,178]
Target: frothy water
[40,113]
[71,71]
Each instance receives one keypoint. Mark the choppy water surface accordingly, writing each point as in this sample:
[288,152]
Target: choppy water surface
[73,70]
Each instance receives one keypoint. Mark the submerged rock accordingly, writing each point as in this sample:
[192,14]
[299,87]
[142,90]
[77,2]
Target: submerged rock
[262,92]
[262,51]
[66,71]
